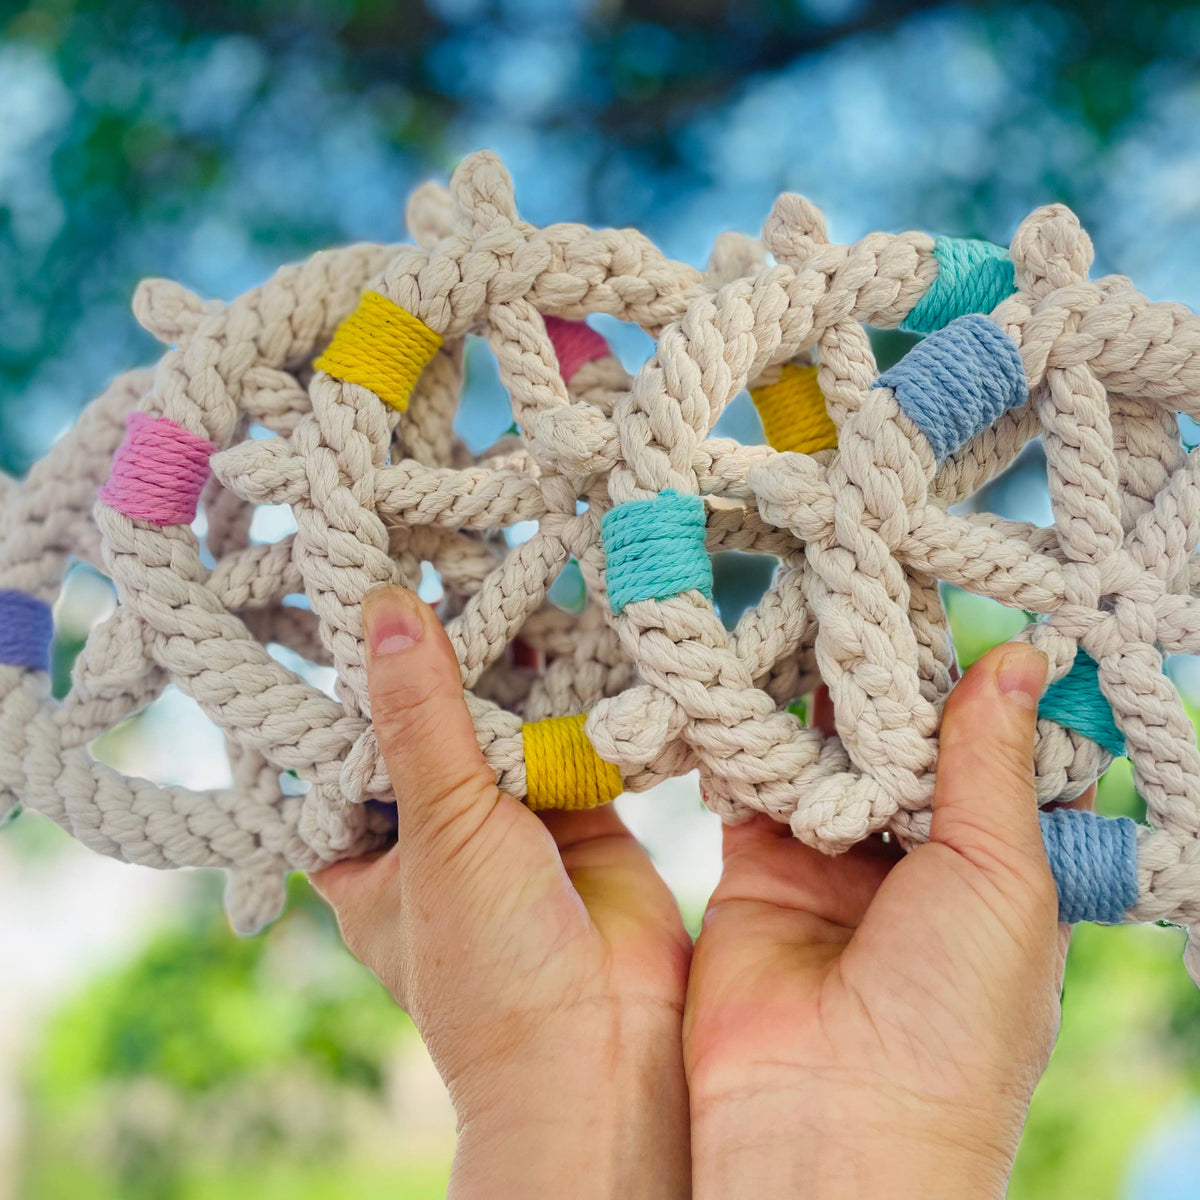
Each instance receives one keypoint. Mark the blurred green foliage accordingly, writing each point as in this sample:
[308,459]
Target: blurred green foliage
[219,1066]
[1121,1061]
[192,1011]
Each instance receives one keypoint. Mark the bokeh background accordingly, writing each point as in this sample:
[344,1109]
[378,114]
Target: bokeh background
[145,1052]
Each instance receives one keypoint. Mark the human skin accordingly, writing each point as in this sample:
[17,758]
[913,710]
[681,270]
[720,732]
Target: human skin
[542,958]
[864,1025]
[874,1025]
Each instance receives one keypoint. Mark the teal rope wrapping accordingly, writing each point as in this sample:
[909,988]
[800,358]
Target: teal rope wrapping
[1094,863]
[1077,702]
[958,381]
[973,277]
[654,549]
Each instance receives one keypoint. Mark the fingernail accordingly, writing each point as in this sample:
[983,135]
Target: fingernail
[391,620]
[1021,675]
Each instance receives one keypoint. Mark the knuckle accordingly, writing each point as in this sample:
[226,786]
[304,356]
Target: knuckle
[1010,772]
[993,764]
[451,813]
[400,727]
[396,704]
[991,748]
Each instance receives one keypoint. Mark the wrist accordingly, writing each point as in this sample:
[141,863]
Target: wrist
[600,1111]
[784,1143]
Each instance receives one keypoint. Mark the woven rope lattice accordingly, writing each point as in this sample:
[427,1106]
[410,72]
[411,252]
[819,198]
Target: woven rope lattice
[855,504]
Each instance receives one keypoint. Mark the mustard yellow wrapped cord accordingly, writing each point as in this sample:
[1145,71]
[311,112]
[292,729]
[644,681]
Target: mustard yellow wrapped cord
[561,768]
[793,412]
[381,347]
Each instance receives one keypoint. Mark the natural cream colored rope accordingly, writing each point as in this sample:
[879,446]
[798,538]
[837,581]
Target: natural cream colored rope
[854,499]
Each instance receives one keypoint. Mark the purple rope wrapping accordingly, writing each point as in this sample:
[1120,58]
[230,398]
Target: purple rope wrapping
[26,631]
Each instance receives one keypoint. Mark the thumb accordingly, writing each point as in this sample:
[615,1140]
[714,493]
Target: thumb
[984,802]
[445,792]
[443,785]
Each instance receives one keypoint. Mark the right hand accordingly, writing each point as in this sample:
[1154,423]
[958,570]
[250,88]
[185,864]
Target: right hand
[874,1024]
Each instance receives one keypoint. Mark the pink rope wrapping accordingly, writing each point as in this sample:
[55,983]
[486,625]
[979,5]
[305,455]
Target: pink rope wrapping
[158,471]
[575,343]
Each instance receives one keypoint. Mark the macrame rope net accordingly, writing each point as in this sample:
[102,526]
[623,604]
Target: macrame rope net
[332,389]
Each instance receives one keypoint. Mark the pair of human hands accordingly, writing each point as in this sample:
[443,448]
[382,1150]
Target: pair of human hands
[866,1025]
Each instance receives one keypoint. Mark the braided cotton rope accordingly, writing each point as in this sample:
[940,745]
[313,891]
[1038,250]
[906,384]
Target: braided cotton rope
[332,390]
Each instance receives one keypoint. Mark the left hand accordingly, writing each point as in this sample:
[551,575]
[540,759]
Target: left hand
[542,959]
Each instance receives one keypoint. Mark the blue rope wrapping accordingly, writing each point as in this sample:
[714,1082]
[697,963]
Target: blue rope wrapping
[958,381]
[973,277]
[1077,702]
[655,549]
[26,631]
[1094,862]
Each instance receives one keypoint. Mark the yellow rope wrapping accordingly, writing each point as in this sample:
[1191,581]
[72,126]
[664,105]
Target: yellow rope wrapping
[561,768]
[381,347]
[793,412]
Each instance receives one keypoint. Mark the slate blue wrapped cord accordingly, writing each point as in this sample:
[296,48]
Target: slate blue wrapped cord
[1094,862]
[973,277]
[655,549]
[958,381]
[1077,702]
[26,631]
